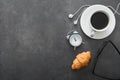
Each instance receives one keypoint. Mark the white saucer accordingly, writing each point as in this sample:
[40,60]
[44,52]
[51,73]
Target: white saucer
[85,20]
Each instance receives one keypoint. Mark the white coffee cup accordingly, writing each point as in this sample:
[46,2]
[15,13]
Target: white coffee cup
[89,29]
[101,19]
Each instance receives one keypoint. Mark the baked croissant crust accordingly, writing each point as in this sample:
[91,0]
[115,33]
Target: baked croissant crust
[81,60]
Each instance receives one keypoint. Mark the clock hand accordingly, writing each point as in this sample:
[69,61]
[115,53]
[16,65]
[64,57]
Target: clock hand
[75,39]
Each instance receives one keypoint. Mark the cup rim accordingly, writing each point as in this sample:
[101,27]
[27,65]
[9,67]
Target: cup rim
[100,30]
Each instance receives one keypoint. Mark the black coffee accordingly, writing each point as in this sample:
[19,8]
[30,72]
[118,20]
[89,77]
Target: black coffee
[99,20]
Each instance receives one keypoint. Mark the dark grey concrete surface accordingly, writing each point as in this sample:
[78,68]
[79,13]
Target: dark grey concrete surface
[33,44]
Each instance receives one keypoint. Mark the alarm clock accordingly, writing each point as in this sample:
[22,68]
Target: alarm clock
[74,39]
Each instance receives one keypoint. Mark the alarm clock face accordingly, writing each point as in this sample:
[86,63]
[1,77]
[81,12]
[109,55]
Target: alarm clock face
[75,40]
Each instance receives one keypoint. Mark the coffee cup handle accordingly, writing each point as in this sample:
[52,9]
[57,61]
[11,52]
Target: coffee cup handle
[92,33]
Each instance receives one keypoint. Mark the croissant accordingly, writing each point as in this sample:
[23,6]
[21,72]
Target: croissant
[81,60]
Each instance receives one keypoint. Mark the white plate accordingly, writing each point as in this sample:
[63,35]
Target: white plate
[85,20]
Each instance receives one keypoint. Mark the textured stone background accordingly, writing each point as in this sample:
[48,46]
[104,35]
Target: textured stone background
[33,44]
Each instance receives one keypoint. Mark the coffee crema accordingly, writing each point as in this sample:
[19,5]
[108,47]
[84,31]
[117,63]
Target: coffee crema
[99,20]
